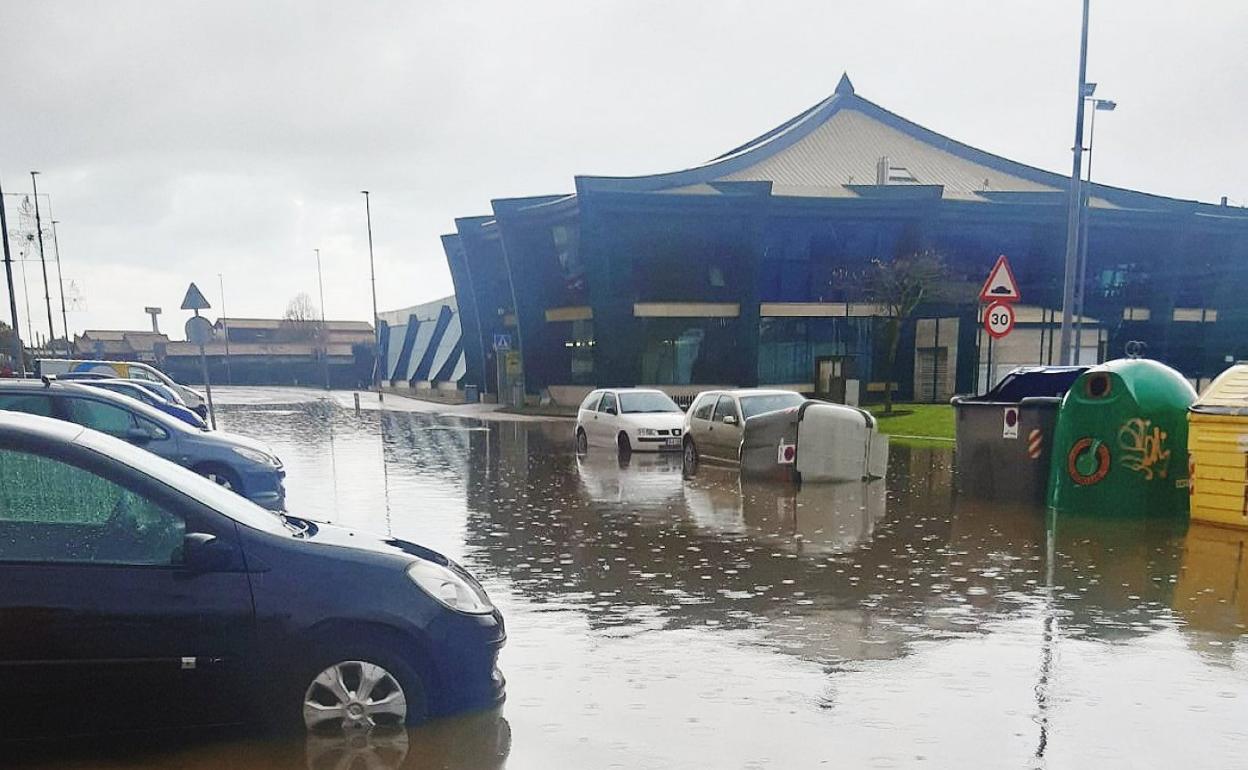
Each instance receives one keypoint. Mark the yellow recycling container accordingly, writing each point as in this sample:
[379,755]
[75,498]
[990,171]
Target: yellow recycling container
[1217,442]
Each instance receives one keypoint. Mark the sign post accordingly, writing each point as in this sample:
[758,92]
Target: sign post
[999,293]
[199,331]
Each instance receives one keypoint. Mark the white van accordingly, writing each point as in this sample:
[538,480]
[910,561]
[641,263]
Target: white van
[126,370]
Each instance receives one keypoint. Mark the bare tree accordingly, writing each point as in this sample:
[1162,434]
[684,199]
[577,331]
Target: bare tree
[302,320]
[899,286]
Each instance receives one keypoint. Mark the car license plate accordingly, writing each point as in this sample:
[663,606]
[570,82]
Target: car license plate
[671,443]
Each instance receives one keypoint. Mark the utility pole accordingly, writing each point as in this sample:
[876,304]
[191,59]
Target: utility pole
[225,329]
[60,279]
[324,329]
[19,360]
[47,292]
[368,213]
[1076,197]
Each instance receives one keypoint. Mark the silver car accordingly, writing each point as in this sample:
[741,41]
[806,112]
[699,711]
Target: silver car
[715,422]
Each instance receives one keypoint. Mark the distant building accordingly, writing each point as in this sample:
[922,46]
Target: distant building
[422,346]
[273,351]
[740,270]
[121,345]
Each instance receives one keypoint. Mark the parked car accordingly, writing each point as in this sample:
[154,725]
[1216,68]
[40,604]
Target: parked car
[126,370]
[135,594]
[141,393]
[781,434]
[631,419]
[241,464]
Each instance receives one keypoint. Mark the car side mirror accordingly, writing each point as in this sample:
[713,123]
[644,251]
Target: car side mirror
[730,419]
[202,552]
[139,435]
[612,410]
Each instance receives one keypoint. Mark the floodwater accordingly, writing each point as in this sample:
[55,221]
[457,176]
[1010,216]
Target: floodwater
[661,623]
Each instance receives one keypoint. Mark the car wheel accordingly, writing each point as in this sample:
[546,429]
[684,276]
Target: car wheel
[624,445]
[357,695]
[582,441]
[690,459]
[221,475]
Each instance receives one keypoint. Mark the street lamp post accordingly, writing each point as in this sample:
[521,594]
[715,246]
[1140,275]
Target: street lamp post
[368,213]
[1098,105]
[320,283]
[60,279]
[225,330]
[47,291]
[1076,195]
[19,360]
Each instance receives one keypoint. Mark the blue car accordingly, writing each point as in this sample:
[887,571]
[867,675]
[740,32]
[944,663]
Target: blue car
[241,464]
[148,396]
[135,594]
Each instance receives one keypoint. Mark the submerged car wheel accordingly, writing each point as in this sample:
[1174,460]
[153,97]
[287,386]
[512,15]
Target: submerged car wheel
[625,447]
[582,441]
[354,696]
[689,461]
[219,475]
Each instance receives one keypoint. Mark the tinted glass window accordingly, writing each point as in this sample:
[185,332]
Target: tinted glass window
[702,410]
[646,401]
[591,401]
[51,511]
[142,374]
[100,416]
[32,403]
[608,403]
[725,408]
[753,405]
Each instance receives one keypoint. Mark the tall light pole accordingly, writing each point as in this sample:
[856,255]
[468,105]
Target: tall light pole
[47,292]
[324,329]
[60,279]
[1098,105]
[225,330]
[19,360]
[368,213]
[1076,194]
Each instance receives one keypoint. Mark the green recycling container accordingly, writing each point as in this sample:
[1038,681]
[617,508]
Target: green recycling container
[1120,444]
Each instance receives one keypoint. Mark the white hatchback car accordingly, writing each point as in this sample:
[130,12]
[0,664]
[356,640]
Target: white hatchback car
[631,419]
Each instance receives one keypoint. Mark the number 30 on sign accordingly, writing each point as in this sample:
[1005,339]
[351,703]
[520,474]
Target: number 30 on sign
[999,319]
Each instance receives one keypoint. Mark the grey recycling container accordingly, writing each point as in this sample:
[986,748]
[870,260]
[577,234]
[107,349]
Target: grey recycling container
[1005,436]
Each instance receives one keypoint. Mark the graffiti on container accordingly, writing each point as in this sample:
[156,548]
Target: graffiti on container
[1144,445]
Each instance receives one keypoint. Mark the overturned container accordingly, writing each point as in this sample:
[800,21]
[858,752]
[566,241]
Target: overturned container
[1005,436]
[814,442]
[1218,443]
[1120,443]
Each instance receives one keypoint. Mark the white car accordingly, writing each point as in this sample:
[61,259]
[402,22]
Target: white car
[631,419]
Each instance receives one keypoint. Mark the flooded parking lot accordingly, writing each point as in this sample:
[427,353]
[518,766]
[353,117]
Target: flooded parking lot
[656,622]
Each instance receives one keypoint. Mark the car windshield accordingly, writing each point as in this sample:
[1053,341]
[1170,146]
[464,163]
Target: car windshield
[187,482]
[646,401]
[771,402]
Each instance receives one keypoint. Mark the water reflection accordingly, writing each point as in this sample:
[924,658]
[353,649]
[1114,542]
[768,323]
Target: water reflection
[474,742]
[709,623]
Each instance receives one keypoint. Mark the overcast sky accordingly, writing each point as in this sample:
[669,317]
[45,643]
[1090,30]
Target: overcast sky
[178,140]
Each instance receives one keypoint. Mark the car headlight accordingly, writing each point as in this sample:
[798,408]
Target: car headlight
[647,432]
[450,588]
[256,456]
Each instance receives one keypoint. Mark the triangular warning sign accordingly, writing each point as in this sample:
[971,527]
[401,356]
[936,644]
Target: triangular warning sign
[195,299]
[1000,286]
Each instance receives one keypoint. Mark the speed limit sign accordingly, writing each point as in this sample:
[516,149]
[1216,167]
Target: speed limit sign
[999,319]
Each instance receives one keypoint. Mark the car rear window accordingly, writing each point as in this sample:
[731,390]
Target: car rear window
[773,402]
[30,403]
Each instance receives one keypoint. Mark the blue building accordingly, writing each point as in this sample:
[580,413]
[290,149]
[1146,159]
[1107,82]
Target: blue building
[738,271]
[421,346]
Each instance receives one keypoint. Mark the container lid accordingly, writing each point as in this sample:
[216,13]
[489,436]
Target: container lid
[1032,382]
[1228,394]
